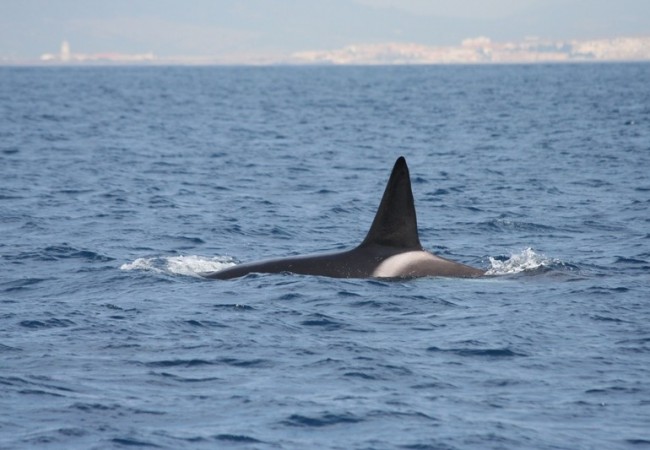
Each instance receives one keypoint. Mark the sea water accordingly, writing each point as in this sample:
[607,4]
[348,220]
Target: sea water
[119,186]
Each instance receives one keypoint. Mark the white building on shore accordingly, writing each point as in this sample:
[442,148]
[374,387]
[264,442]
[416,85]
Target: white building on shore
[65,55]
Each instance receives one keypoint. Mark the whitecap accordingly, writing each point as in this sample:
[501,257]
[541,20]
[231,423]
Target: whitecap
[525,261]
[190,265]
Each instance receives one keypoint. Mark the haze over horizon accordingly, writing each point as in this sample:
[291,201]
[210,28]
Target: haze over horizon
[268,29]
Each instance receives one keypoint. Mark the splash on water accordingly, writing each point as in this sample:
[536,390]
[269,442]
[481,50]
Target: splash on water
[190,265]
[525,261]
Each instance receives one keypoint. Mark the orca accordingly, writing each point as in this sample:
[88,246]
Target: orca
[391,248]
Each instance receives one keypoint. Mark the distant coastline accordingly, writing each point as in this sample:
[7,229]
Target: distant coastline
[483,50]
[479,50]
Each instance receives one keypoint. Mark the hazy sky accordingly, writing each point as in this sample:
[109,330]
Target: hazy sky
[29,28]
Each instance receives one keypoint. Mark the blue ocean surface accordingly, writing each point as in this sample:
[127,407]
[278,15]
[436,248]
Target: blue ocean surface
[119,186]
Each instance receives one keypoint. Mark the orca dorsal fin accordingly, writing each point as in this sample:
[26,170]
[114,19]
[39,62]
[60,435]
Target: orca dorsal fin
[395,224]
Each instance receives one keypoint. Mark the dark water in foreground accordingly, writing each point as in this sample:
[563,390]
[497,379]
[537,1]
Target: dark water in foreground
[119,185]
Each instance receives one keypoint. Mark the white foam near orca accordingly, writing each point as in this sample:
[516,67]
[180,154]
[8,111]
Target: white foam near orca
[391,249]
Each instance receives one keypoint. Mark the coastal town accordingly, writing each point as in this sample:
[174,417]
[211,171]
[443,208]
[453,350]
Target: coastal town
[484,50]
[478,50]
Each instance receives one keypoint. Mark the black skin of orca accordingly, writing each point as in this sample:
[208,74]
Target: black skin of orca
[391,248]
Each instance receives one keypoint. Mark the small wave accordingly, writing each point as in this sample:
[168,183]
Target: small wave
[130,442]
[204,323]
[506,225]
[234,362]
[180,363]
[190,265]
[7,348]
[361,375]
[489,352]
[322,420]
[240,438]
[233,306]
[525,261]
[18,285]
[323,322]
[187,379]
[49,323]
[61,252]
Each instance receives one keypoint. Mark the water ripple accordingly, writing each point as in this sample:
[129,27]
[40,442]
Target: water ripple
[488,352]
[322,420]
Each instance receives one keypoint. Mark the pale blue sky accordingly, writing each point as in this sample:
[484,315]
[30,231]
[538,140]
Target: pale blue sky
[29,28]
